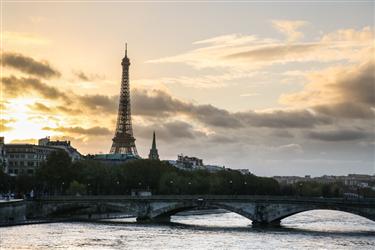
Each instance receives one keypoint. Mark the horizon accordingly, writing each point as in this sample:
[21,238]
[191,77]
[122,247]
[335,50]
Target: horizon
[281,92]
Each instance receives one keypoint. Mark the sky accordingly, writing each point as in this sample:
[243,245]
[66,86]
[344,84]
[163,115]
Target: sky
[279,88]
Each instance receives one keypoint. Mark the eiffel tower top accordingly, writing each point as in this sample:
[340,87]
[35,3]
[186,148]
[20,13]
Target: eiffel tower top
[125,60]
[126,49]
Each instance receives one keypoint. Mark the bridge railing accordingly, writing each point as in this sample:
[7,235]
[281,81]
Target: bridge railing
[254,198]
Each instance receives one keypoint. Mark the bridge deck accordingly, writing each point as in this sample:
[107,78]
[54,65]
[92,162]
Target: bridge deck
[233,198]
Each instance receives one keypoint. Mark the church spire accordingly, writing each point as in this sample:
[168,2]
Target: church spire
[153,142]
[153,155]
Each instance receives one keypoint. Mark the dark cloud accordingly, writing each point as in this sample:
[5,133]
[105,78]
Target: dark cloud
[40,107]
[168,131]
[15,86]
[81,75]
[216,117]
[339,135]
[350,110]
[282,133]
[29,65]
[81,131]
[161,104]
[359,86]
[103,103]
[283,119]
[86,77]
[274,52]
[155,103]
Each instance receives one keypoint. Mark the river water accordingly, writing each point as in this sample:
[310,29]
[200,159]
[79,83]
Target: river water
[309,230]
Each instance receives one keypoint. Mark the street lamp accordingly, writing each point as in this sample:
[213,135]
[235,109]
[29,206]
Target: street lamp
[62,187]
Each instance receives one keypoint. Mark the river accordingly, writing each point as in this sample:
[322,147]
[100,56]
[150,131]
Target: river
[309,230]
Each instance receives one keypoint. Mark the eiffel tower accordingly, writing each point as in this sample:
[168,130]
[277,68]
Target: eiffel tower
[124,141]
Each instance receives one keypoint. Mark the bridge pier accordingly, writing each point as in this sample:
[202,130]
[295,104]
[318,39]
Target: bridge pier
[163,219]
[275,223]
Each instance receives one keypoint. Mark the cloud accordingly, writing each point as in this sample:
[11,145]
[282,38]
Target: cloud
[276,52]
[340,135]
[4,125]
[169,131]
[81,75]
[40,107]
[23,38]
[289,28]
[86,77]
[98,102]
[231,53]
[20,86]
[345,91]
[96,131]
[349,110]
[249,94]
[24,141]
[298,118]
[29,65]
[350,35]
[160,104]
[294,148]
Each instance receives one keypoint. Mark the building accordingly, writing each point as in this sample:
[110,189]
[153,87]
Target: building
[351,180]
[65,145]
[124,141]
[24,159]
[114,159]
[3,159]
[186,162]
[153,155]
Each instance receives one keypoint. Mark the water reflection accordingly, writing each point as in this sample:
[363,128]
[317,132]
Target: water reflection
[314,229]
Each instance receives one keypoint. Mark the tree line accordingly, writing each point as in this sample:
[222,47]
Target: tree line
[59,176]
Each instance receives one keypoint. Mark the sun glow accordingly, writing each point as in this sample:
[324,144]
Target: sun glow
[25,124]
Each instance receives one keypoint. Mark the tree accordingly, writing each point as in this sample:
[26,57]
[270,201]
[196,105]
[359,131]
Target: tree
[76,188]
[56,172]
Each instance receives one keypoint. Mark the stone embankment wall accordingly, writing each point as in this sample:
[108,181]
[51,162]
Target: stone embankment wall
[12,212]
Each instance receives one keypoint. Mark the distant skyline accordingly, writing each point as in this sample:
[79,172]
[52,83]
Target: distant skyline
[281,88]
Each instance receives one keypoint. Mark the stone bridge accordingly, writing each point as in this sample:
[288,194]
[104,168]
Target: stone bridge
[259,209]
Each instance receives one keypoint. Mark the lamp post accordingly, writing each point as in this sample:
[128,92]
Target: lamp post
[62,187]
[171,182]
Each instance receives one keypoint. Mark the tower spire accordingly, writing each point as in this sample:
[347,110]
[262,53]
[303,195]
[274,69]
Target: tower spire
[153,155]
[126,49]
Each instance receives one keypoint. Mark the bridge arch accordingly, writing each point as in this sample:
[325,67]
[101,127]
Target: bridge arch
[358,212]
[181,207]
